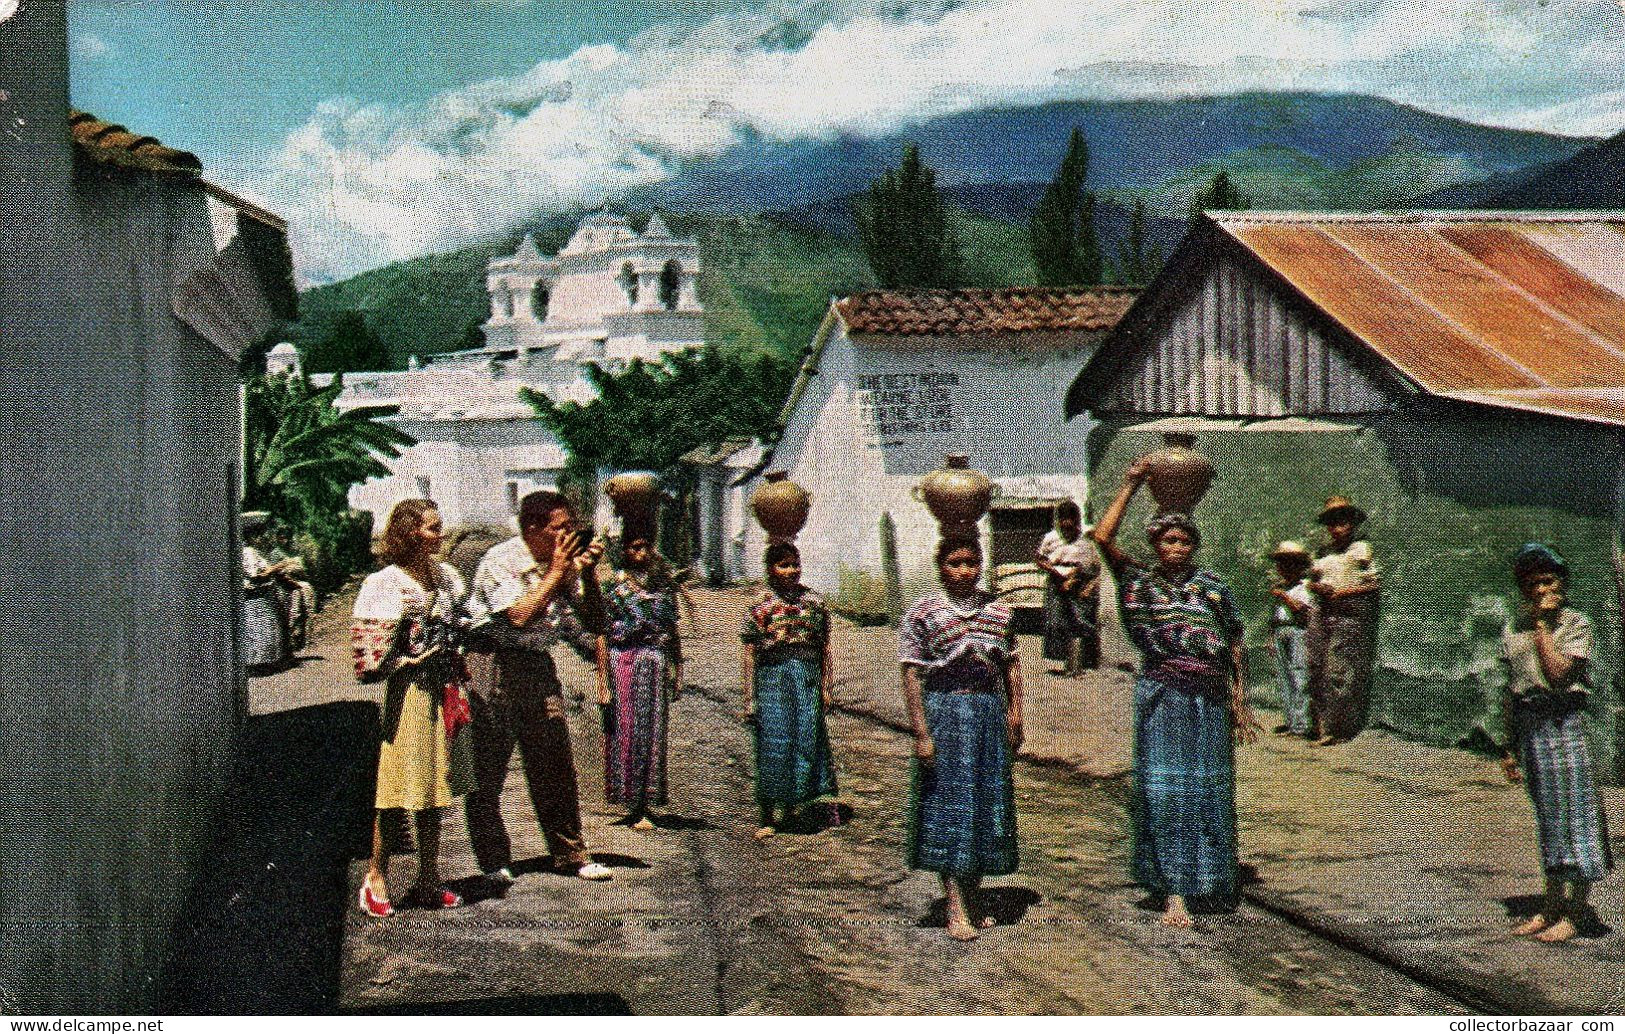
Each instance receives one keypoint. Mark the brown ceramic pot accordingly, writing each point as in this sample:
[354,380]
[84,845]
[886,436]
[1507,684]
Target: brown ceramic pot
[635,496]
[780,506]
[956,495]
[1179,476]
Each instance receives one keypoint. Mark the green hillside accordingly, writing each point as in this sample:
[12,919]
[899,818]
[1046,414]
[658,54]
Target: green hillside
[1284,177]
[765,283]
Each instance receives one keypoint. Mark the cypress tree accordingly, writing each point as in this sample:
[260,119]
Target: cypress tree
[1137,259]
[903,225]
[1221,195]
[1065,246]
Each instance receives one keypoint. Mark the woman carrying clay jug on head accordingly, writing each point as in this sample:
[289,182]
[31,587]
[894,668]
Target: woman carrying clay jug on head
[962,684]
[1190,707]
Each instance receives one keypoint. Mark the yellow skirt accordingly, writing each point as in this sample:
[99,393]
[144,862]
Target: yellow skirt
[419,766]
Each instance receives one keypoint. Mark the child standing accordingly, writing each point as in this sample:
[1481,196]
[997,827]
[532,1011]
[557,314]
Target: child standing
[1289,631]
[787,679]
[1547,652]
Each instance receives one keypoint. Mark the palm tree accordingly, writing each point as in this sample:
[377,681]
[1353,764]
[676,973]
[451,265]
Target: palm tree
[303,455]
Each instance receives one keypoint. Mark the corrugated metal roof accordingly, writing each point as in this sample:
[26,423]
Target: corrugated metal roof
[108,143]
[1516,309]
[1010,310]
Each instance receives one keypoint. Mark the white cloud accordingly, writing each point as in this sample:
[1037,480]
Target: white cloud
[87,47]
[364,185]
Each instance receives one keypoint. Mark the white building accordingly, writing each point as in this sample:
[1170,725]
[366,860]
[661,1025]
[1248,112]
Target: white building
[894,381]
[131,287]
[609,296]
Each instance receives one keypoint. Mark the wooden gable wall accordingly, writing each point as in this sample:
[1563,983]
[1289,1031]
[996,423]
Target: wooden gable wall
[1228,339]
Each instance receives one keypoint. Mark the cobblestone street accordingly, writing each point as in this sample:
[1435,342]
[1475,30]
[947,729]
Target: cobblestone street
[701,918]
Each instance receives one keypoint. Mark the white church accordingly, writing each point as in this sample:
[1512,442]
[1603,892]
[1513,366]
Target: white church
[609,296]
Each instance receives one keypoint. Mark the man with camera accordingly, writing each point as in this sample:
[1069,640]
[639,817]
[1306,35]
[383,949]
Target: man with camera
[531,593]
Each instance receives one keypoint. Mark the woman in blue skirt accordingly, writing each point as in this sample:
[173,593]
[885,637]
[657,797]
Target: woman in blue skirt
[962,683]
[1190,706]
[787,689]
[1547,649]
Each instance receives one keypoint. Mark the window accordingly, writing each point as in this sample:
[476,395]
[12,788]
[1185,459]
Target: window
[538,302]
[513,497]
[423,487]
[629,283]
[671,283]
[504,302]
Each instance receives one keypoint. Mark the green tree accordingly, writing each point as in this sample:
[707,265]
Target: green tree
[348,346]
[302,455]
[648,415]
[903,225]
[1137,258]
[1065,246]
[1219,195]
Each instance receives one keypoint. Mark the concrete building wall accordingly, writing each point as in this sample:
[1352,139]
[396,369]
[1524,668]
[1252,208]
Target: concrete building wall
[468,465]
[1451,496]
[120,567]
[880,414]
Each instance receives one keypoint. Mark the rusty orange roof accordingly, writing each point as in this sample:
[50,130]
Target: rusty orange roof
[1518,309]
[107,143]
[1008,310]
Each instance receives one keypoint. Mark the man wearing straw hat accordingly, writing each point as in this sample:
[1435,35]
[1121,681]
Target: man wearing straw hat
[1346,583]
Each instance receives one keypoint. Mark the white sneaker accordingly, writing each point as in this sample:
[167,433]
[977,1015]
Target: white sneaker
[594,871]
[503,874]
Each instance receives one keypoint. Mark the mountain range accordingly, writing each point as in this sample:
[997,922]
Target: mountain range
[777,238]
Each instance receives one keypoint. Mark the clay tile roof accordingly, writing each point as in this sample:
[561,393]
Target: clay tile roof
[107,143]
[1006,310]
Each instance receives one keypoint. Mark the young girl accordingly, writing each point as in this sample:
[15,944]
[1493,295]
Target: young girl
[1547,649]
[962,682]
[640,671]
[1289,624]
[399,638]
[787,679]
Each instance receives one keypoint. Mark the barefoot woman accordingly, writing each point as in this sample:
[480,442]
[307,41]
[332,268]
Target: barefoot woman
[1189,702]
[962,683]
[1548,648]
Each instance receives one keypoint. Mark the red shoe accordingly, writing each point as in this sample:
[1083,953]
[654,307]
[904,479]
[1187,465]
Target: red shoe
[377,907]
[435,897]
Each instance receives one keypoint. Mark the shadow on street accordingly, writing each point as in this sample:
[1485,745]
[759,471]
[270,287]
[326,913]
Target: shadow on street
[264,926]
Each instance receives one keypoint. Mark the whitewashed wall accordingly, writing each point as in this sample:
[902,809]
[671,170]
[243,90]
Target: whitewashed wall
[882,413]
[469,464]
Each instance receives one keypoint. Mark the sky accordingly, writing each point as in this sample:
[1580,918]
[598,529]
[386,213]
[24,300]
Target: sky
[386,129]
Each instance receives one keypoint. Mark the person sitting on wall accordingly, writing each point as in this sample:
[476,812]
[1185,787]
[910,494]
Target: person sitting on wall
[531,593]
[265,636]
[287,567]
[1071,593]
[1547,650]
[1347,583]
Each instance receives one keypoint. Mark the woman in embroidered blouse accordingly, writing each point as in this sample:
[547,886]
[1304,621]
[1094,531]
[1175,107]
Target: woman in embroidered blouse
[787,679]
[403,616]
[962,683]
[1190,706]
[640,671]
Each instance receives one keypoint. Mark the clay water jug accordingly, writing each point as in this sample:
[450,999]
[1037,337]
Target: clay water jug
[780,506]
[1179,476]
[635,495]
[956,495]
